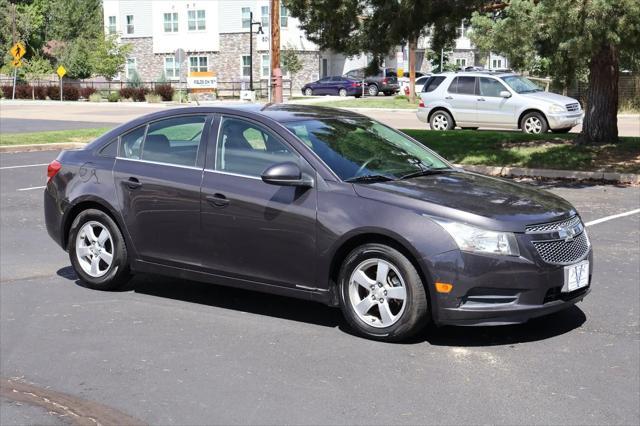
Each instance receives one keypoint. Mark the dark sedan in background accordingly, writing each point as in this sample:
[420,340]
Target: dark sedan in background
[320,204]
[336,85]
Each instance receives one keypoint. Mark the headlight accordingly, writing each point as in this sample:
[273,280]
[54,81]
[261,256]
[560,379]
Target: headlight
[469,238]
[556,109]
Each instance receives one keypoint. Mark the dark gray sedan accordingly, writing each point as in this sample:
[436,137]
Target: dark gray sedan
[319,204]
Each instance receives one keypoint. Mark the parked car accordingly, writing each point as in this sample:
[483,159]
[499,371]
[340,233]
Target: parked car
[495,100]
[316,203]
[404,82]
[385,81]
[335,85]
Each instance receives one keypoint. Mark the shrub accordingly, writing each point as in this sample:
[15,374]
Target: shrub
[95,97]
[1,93]
[40,92]
[165,91]
[70,93]
[53,92]
[23,91]
[153,98]
[126,93]
[180,96]
[113,97]
[6,90]
[134,80]
[139,94]
[86,92]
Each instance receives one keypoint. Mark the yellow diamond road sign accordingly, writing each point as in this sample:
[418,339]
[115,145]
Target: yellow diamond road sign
[16,63]
[61,71]
[17,50]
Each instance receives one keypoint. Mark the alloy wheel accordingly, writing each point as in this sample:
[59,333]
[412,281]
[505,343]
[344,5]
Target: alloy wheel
[377,293]
[308,92]
[94,249]
[440,122]
[342,93]
[533,125]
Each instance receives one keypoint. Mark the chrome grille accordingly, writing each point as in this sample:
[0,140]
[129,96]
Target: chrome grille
[573,107]
[553,226]
[562,252]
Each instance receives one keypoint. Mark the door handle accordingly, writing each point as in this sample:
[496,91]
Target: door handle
[448,97]
[133,183]
[481,99]
[217,200]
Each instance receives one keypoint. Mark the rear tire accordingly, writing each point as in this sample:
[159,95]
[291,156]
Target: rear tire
[342,93]
[97,251]
[534,123]
[441,120]
[381,294]
[373,90]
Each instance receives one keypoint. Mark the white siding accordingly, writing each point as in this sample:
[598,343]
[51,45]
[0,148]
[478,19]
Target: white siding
[207,40]
[231,15]
[142,19]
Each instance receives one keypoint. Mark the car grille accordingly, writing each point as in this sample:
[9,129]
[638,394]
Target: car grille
[573,107]
[553,226]
[563,252]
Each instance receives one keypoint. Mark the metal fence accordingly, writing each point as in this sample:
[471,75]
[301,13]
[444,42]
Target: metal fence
[225,90]
[628,91]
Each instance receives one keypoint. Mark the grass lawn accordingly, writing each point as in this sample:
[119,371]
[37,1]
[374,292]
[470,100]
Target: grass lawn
[78,135]
[396,102]
[491,148]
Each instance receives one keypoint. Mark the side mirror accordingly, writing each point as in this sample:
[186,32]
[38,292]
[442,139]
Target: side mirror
[285,174]
[505,94]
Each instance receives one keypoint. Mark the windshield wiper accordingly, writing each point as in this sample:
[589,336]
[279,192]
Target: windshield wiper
[424,172]
[369,179]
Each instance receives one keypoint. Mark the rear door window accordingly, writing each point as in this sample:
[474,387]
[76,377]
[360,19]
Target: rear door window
[463,86]
[174,141]
[433,83]
[131,143]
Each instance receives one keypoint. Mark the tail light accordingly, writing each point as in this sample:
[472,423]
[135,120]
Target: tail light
[384,81]
[421,104]
[52,169]
[356,84]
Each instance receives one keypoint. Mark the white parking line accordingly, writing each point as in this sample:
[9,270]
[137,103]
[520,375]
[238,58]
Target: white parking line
[33,187]
[615,216]
[26,165]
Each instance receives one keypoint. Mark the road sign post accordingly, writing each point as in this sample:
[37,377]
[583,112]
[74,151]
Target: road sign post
[61,71]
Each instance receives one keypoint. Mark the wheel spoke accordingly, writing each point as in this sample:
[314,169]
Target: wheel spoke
[399,293]
[107,257]
[382,272]
[364,305]
[83,251]
[385,313]
[104,236]
[95,263]
[362,279]
[91,232]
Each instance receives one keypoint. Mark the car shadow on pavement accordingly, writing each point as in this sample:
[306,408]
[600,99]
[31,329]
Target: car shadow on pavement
[318,314]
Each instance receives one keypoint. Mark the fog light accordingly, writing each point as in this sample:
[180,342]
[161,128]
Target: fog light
[444,287]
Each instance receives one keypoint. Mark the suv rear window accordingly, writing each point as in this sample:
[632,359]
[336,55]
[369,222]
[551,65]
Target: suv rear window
[463,85]
[432,83]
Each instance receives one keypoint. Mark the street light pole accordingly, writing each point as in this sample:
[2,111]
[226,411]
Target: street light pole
[251,24]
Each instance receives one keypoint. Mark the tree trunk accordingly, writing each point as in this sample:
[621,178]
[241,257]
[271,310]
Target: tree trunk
[412,70]
[600,121]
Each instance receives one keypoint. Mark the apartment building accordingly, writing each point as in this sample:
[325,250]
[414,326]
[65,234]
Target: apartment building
[213,34]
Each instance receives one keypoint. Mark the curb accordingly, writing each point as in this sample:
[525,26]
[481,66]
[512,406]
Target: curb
[41,147]
[626,178]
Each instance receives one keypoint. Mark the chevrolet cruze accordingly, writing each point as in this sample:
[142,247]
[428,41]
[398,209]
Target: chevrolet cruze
[319,204]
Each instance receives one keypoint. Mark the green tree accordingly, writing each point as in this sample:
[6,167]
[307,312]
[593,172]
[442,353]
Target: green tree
[30,22]
[290,60]
[571,35]
[76,56]
[75,19]
[108,56]
[35,69]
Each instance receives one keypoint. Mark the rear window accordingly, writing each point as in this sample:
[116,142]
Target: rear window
[463,85]
[432,83]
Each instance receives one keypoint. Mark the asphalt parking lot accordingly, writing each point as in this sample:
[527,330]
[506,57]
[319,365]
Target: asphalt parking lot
[167,351]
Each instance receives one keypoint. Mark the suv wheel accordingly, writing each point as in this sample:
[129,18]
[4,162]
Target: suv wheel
[373,90]
[534,123]
[381,294]
[441,120]
[308,91]
[97,251]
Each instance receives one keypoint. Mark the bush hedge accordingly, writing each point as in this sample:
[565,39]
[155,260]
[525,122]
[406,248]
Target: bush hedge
[86,92]
[165,91]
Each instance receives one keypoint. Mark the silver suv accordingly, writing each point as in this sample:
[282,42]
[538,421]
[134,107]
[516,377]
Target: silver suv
[480,99]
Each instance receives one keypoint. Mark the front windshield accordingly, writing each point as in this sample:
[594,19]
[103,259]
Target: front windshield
[521,84]
[359,147]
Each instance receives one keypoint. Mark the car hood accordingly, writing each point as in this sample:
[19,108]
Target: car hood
[551,97]
[480,200]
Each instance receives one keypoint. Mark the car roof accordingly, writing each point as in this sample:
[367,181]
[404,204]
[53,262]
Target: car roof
[475,73]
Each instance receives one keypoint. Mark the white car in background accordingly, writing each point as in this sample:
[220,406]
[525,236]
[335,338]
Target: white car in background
[404,82]
[494,100]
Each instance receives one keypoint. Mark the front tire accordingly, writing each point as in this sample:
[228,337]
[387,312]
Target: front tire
[308,92]
[534,123]
[441,120]
[342,93]
[381,294]
[97,251]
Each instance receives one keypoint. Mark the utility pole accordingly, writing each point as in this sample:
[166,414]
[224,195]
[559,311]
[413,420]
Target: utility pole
[276,71]
[13,30]
[412,69]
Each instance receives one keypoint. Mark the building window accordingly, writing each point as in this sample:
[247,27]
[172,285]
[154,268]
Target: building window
[171,68]
[265,16]
[112,25]
[130,27]
[131,67]
[284,17]
[246,65]
[496,63]
[170,22]
[197,20]
[198,64]
[246,17]
[461,62]
[265,69]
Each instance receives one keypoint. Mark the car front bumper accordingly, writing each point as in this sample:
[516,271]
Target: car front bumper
[499,290]
[564,120]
